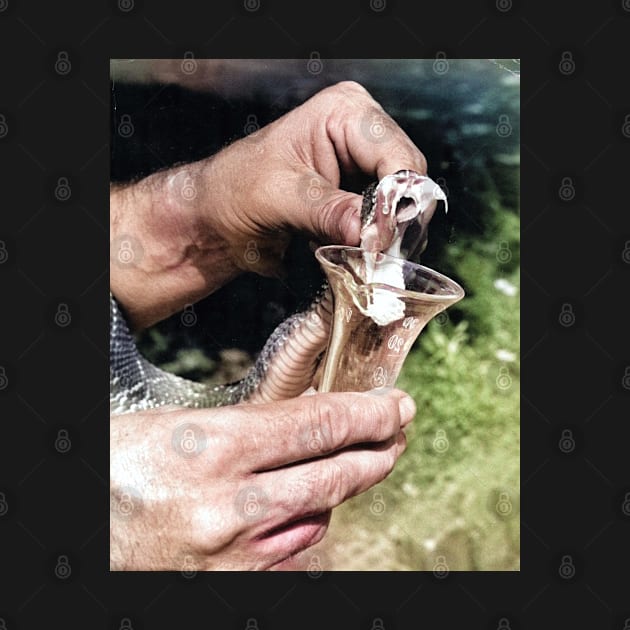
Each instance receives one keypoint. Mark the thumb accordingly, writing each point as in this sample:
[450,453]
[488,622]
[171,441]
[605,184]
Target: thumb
[330,214]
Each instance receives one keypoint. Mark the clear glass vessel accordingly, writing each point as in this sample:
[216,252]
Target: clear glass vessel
[381,304]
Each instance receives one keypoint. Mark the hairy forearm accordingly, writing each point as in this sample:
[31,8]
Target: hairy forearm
[190,229]
[164,251]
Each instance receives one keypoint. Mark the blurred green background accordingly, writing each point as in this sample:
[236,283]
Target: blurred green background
[453,500]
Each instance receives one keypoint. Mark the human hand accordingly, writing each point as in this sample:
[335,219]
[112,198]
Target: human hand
[199,225]
[286,175]
[245,487]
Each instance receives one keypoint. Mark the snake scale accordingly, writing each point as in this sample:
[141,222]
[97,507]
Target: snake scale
[395,215]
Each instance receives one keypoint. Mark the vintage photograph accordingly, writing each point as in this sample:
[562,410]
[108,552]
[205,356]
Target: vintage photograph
[315,315]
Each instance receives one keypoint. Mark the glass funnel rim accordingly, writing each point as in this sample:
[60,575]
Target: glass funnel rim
[457,294]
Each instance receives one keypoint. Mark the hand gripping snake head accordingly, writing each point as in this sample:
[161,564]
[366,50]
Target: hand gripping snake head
[396,213]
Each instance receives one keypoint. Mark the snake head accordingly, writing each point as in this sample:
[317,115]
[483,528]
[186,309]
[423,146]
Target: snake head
[396,214]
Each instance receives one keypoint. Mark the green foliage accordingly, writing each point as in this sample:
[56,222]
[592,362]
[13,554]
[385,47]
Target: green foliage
[462,459]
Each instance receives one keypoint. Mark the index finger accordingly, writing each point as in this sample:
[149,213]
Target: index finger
[365,134]
[281,433]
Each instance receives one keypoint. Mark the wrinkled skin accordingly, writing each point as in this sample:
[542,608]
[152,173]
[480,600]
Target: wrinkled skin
[171,511]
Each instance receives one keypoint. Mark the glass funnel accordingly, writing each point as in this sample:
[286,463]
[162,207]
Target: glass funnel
[381,304]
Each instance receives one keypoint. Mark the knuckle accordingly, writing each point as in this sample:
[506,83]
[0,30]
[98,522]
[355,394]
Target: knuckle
[345,90]
[220,450]
[328,216]
[331,423]
[383,416]
[204,533]
[318,489]
[351,86]
[333,482]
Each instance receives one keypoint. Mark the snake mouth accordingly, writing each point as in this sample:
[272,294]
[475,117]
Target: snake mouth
[406,209]
[402,202]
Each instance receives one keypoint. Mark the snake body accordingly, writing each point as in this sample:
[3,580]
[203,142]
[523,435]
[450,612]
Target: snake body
[400,205]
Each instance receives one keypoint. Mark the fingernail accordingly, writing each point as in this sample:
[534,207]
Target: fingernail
[407,409]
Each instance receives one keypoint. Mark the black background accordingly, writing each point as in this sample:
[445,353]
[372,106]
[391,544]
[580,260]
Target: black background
[56,504]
